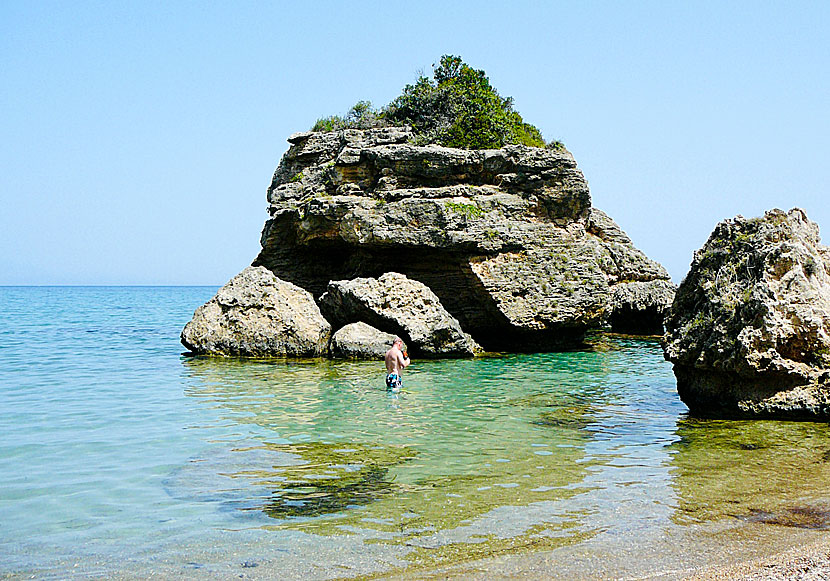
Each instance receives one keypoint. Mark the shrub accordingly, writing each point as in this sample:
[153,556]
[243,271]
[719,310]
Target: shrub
[333,123]
[466,210]
[458,107]
[361,116]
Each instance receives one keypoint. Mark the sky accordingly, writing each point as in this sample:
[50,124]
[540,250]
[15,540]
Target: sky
[138,138]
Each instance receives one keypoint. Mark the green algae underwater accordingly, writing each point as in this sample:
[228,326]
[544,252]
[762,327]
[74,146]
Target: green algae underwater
[424,470]
[124,459]
[518,453]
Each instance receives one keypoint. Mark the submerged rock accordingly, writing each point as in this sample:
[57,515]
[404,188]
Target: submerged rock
[506,238]
[360,341]
[257,314]
[332,477]
[406,307]
[749,329]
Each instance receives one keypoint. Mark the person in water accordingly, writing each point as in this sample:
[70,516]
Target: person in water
[396,360]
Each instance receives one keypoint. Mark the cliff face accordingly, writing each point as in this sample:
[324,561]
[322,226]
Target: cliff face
[507,239]
[749,330]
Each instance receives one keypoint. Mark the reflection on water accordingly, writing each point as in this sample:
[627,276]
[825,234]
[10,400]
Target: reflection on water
[475,457]
[761,471]
[480,457]
[119,457]
[574,417]
[431,468]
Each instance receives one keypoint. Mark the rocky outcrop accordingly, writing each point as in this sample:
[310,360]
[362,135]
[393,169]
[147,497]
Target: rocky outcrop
[507,239]
[641,292]
[360,341]
[406,307]
[749,329]
[640,307]
[256,314]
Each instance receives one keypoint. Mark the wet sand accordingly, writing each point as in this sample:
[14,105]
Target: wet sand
[724,555]
[710,553]
[809,563]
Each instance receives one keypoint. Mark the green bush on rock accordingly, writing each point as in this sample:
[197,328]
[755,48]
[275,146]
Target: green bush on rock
[361,116]
[458,107]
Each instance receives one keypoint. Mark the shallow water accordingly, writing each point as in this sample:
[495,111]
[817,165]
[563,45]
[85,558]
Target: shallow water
[119,457]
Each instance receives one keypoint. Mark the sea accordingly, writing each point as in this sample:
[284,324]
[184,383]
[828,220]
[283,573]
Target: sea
[121,457]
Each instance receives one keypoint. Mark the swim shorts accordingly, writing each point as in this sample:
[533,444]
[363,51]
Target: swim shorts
[393,382]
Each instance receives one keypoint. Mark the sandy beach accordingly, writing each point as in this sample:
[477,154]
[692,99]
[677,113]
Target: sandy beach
[809,562]
[714,552]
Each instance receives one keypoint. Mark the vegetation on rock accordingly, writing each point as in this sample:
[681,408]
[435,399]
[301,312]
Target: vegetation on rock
[748,329]
[458,107]
[361,116]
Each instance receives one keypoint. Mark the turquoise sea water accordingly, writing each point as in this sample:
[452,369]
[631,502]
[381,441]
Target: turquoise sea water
[120,457]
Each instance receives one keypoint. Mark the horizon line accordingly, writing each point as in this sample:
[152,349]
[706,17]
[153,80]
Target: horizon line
[57,285]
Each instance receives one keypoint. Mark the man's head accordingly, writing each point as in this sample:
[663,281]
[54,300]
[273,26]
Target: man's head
[397,342]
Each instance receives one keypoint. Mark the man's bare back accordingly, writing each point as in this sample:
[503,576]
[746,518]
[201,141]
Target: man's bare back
[396,361]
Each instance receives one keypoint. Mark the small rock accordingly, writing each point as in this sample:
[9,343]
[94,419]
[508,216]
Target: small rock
[360,341]
[640,307]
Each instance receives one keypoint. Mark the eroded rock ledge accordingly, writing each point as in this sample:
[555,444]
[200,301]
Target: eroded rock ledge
[749,329]
[507,239]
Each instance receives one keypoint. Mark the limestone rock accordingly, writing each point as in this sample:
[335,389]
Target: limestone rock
[749,329]
[621,261]
[360,341]
[507,238]
[257,314]
[406,307]
[640,307]
[641,292]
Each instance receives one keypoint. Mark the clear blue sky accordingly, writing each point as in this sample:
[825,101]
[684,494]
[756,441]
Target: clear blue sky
[138,138]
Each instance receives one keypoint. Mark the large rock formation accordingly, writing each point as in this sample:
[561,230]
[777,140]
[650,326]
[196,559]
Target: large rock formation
[749,330]
[256,314]
[506,238]
[404,306]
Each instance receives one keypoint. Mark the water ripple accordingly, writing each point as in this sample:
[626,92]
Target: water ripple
[114,448]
